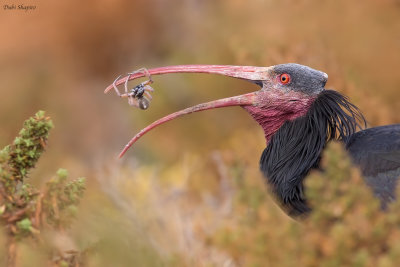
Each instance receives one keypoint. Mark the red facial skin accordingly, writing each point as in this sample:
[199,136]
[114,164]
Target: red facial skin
[275,107]
[270,107]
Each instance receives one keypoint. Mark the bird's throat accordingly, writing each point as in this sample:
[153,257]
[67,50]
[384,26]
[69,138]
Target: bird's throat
[273,116]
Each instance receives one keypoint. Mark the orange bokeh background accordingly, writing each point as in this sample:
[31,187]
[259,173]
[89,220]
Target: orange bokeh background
[60,56]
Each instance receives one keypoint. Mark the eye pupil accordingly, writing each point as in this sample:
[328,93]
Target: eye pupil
[285,78]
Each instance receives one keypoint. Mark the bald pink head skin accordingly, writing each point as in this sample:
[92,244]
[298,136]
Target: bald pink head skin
[272,105]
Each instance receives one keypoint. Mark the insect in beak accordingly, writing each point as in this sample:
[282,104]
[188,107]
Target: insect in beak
[139,96]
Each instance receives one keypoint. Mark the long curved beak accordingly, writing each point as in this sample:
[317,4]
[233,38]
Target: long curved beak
[240,100]
[253,74]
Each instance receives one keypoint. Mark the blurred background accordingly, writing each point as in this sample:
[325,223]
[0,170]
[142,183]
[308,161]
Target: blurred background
[166,200]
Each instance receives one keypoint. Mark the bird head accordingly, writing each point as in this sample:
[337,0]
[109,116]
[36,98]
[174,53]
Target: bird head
[287,91]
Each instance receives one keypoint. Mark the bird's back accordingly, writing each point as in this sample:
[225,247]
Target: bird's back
[377,152]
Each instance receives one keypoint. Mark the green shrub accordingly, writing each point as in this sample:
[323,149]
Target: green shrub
[26,210]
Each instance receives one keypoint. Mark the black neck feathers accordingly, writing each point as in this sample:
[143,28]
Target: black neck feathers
[296,147]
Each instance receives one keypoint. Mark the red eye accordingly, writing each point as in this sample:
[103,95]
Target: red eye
[285,78]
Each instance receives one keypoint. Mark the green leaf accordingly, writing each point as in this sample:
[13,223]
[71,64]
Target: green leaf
[24,224]
[62,173]
[39,114]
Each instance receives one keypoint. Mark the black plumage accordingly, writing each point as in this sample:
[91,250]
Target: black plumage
[377,152]
[296,148]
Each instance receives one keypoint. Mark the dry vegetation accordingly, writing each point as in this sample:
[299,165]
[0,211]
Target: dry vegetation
[190,193]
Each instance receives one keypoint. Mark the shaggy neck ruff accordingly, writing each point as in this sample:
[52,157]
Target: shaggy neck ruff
[296,134]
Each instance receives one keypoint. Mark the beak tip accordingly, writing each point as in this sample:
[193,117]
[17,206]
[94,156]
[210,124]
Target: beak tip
[325,76]
[107,89]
